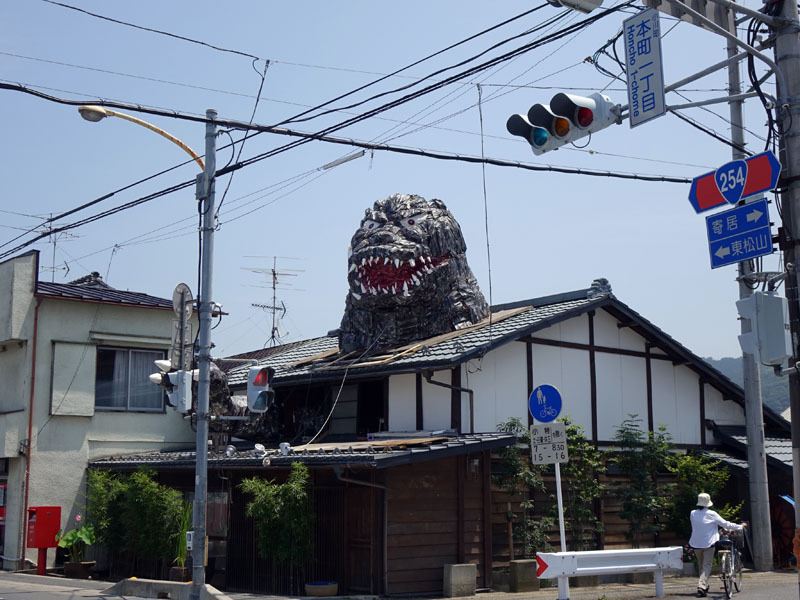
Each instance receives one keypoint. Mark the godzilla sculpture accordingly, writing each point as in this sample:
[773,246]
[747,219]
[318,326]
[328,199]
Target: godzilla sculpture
[408,275]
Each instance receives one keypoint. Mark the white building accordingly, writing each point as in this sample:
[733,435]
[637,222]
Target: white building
[74,361]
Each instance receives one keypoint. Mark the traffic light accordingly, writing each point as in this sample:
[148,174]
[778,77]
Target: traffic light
[567,118]
[177,385]
[584,6]
[769,339]
[259,396]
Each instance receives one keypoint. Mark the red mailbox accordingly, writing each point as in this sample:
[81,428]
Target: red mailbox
[44,523]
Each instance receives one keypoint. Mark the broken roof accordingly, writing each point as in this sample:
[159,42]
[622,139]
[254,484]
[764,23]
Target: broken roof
[375,454]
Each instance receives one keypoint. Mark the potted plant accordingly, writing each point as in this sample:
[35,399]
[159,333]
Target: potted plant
[75,542]
[179,571]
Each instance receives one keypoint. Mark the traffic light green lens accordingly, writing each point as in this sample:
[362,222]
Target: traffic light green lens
[539,136]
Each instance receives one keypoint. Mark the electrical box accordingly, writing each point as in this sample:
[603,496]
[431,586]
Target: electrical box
[770,339]
[44,523]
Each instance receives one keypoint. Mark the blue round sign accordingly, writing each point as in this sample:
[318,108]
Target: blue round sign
[545,403]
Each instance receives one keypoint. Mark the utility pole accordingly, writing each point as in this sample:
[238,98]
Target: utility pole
[787,57]
[205,198]
[754,412]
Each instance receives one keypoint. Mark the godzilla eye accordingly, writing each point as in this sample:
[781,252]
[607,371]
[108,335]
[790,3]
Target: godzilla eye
[410,221]
[370,225]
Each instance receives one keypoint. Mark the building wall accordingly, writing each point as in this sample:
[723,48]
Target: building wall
[67,430]
[561,357]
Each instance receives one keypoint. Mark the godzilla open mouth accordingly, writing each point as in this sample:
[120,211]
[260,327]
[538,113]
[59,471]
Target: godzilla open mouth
[382,275]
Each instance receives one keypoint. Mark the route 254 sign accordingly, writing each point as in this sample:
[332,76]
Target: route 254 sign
[733,181]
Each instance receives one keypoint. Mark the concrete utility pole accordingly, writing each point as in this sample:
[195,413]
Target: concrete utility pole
[787,56]
[754,415]
[205,197]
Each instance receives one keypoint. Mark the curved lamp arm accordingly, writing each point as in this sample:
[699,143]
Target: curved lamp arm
[96,113]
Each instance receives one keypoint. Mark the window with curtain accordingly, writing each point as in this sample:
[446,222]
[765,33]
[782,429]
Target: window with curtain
[123,382]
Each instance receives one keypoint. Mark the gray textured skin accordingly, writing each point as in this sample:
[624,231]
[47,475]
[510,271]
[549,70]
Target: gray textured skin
[424,289]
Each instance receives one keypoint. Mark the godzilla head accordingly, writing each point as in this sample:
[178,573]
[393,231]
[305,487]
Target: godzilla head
[408,275]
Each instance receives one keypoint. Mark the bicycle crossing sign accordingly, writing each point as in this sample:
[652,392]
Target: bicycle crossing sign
[548,443]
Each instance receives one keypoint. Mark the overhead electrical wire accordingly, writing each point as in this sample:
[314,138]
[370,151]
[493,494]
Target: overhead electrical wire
[151,30]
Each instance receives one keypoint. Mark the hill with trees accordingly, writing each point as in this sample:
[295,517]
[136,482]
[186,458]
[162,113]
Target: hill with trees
[774,389]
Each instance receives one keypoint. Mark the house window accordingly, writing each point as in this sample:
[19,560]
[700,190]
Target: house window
[122,381]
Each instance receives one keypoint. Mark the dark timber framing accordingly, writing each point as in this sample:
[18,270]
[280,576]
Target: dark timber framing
[455,398]
[649,372]
[593,377]
[702,394]
[529,368]
[420,414]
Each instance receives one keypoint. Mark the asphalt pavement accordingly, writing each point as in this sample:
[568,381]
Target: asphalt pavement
[774,585]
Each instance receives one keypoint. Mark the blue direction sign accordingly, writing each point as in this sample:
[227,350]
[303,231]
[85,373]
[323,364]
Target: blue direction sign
[545,403]
[739,234]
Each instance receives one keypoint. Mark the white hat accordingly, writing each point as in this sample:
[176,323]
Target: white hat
[704,500]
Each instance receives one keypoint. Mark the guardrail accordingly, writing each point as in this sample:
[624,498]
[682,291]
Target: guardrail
[610,562]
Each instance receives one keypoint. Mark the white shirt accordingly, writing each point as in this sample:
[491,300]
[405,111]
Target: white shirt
[705,524]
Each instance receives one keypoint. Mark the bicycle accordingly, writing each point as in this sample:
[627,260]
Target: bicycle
[728,548]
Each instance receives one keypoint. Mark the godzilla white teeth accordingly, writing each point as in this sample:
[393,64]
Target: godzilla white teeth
[363,261]
[394,288]
[363,289]
[352,268]
[356,296]
[397,263]
[405,288]
[415,279]
[405,293]
[411,262]
[372,290]
[386,260]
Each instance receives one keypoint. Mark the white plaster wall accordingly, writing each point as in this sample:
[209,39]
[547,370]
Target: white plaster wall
[436,402]
[606,333]
[574,330]
[723,412]
[621,391]
[402,403]
[568,371]
[499,381]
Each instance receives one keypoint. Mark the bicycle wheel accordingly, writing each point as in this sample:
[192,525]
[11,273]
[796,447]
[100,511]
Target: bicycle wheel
[737,573]
[727,575]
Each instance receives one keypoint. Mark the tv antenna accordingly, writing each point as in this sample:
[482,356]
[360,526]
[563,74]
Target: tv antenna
[276,310]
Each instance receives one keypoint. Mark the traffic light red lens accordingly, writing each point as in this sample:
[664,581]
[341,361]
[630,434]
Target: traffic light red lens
[585,116]
[539,136]
[262,378]
[561,127]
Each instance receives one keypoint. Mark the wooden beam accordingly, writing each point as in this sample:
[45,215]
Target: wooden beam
[593,378]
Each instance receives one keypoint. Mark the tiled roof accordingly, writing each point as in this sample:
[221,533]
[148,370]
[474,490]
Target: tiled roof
[437,352]
[728,459]
[94,292]
[778,449]
[378,454]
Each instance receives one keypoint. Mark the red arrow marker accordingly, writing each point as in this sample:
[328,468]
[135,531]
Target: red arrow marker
[541,566]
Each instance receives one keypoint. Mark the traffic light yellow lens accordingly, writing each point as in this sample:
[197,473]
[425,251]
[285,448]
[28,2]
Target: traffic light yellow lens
[561,127]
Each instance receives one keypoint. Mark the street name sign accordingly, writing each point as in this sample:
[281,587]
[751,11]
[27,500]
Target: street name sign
[544,403]
[734,181]
[644,68]
[739,234]
[548,443]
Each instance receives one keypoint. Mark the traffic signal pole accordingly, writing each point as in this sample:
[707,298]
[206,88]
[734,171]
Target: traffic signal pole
[754,416]
[205,199]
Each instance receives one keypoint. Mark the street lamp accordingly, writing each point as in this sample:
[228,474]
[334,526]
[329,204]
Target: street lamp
[95,113]
[205,198]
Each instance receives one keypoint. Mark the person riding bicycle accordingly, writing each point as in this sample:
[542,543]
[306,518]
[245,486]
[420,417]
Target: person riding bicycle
[705,533]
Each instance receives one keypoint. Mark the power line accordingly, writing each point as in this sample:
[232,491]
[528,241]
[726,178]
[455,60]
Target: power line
[166,33]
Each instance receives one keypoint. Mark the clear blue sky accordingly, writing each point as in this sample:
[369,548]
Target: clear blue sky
[547,232]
